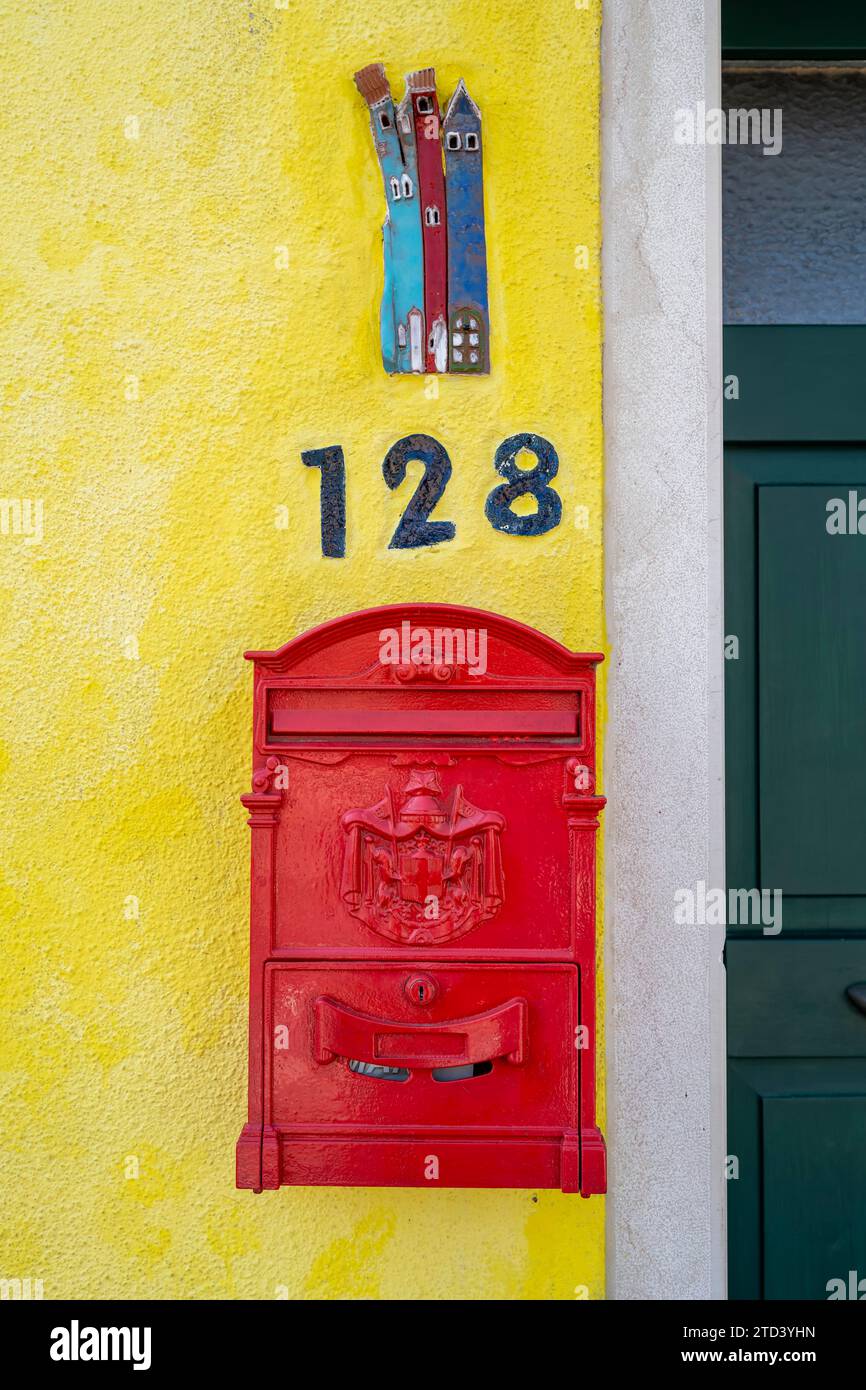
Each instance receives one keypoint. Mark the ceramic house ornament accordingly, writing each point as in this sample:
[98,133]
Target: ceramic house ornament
[434,314]
[402,315]
[467,258]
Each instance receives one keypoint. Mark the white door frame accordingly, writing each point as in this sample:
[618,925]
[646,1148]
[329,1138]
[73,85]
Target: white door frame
[664,747]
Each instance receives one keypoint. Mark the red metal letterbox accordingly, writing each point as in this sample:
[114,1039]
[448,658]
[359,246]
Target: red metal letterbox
[422,946]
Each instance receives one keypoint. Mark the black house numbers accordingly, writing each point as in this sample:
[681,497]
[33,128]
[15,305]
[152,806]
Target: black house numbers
[415,528]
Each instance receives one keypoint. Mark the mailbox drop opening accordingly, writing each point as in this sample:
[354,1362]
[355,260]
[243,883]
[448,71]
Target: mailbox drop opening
[462,1073]
[466,1071]
[378,1073]
[387,717]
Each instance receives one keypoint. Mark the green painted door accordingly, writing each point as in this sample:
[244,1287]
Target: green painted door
[796,797]
[795,673]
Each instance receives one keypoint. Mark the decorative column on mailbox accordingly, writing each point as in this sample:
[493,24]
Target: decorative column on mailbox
[422,946]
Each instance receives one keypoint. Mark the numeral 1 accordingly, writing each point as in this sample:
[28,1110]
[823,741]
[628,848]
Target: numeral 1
[332,497]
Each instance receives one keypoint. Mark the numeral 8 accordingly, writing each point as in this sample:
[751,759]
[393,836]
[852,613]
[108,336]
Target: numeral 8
[523,482]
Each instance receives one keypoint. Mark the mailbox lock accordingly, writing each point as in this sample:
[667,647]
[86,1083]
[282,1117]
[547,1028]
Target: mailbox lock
[421,989]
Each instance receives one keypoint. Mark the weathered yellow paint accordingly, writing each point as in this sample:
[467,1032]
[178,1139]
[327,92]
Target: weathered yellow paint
[162,373]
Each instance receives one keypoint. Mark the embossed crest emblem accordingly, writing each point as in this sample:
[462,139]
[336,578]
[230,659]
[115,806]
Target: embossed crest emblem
[423,866]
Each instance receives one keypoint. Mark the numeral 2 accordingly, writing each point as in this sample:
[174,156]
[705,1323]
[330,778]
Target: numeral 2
[414,528]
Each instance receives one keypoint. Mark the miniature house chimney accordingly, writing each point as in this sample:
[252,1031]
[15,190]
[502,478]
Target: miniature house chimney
[372,83]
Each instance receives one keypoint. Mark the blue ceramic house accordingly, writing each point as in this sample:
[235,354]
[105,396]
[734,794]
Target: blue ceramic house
[468,315]
[410,354]
[402,314]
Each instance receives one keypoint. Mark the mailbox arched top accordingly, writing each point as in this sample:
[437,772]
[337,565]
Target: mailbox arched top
[372,640]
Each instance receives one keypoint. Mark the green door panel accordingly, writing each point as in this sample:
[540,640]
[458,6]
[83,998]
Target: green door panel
[796,1160]
[795,599]
[794,382]
[788,999]
[814,1150]
[812,695]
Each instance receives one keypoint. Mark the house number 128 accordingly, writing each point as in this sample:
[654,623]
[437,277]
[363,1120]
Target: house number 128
[415,527]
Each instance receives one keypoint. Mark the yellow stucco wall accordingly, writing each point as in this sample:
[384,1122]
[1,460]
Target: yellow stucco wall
[162,372]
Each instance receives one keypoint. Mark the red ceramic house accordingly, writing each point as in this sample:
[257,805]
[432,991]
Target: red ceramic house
[434,223]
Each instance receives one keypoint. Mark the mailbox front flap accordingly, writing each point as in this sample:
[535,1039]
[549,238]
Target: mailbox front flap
[495,1045]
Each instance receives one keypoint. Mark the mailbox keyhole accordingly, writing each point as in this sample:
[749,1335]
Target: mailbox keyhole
[421,989]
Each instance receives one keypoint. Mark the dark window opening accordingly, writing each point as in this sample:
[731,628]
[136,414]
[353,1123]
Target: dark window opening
[378,1073]
[462,1073]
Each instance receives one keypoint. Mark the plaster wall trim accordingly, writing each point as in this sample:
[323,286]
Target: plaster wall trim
[664,747]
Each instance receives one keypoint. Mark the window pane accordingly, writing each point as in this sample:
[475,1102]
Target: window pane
[795,223]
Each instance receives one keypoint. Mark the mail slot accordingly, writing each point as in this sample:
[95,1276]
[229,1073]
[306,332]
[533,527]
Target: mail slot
[423,902]
[468,722]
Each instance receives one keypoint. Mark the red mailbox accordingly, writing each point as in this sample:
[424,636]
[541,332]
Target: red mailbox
[422,946]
